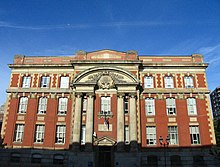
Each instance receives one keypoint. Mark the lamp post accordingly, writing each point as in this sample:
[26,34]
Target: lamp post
[165,144]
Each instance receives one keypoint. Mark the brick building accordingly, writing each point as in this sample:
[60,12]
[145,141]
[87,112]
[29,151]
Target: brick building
[215,101]
[108,104]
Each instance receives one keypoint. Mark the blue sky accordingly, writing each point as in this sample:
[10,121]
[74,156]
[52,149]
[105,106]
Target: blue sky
[152,27]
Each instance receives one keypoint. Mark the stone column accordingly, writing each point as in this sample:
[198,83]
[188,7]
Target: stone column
[133,122]
[89,122]
[77,122]
[120,123]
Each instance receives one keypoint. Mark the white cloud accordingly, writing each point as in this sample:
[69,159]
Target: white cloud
[86,26]
[211,54]
[209,50]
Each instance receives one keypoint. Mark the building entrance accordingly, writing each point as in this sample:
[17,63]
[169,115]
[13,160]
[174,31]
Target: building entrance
[104,156]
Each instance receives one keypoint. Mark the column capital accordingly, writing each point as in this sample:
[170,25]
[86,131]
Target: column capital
[120,94]
[78,94]
[133,95]
[90,94]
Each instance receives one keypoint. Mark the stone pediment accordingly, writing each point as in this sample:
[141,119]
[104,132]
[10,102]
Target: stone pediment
[105,141]
[106,55]
[105,77]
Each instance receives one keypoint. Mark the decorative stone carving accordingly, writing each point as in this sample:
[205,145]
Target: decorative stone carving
[104,141]
[94,77]
[105,82]
[116,78]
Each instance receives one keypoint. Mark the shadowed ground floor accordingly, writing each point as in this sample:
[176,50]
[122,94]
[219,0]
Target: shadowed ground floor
[104,156]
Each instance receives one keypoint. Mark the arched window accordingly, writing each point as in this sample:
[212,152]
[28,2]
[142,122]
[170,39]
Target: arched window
[191,106]
[171,106]
[42,105]
[23,105]
[62,108]
[149,106]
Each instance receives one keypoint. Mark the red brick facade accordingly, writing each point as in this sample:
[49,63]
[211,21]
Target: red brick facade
[126,64]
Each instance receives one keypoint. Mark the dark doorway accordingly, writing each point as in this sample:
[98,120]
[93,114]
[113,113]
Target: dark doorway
[104,157]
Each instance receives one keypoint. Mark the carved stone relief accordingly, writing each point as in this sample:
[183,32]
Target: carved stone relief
[106,79]
[105,82]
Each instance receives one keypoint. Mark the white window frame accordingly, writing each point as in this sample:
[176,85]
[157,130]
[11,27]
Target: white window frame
[23,105]
[42,105]
[19,133]
[188,80]
[151,135]
[150,106]
[64,82]
[45,82]
[148,82]
[171,106]
[126,135]
[168,81]
[194,135]
[191,106]
[173,134]
[83,134]
[26,82]
[60,134]
[39,133]
[106,105]
[62,106]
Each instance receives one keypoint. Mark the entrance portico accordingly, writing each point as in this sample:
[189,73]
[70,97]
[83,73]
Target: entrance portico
[105,89]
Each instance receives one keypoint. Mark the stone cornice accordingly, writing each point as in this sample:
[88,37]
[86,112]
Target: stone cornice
[39,90]
[177,90]
[170,65]
[39,65]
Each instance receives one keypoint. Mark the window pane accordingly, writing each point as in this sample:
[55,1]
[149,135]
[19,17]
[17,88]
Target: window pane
[84,104]
[191,106]
[42,106]
[188,81]
[83,134]
[105,105]
[151,135]
[126,105]
[171,106]
[194,135]
[19,132]
[148,82]
[26,82]
[168,82]
[23,105]
[39,133]
[173,134]
[64,82]
[126,134]
[45,81]
[60,134]
[62,108]
[149,106]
